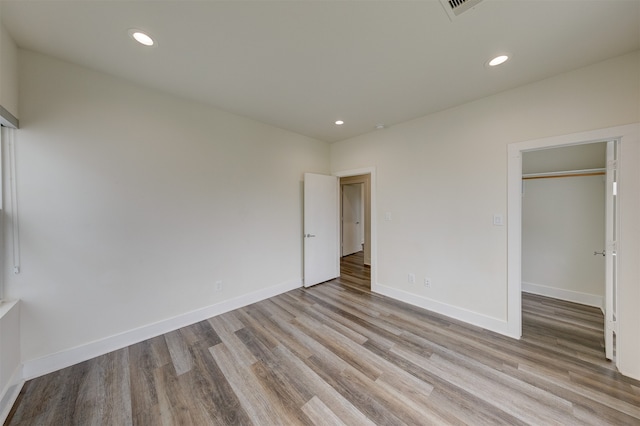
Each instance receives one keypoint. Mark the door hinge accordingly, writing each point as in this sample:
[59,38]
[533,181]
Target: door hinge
[612,165]
[612,326]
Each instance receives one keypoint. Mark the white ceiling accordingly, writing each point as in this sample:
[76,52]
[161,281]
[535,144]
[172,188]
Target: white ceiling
[300,65]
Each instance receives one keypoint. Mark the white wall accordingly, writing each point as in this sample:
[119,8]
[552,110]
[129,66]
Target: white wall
[574,157]
[628,342]
[562,225]
[443,176]
[134,203]
[8,71]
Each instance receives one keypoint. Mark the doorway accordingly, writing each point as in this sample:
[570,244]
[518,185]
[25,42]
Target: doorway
[564,200]
[563,223]
[355,206]
[357,228]
[627,139]
[322,223]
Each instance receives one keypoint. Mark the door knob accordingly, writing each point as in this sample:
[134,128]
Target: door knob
[603,253]
[309,235]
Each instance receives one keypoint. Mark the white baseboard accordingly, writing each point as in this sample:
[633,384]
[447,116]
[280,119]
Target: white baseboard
[47,364]
[10,394]
[470,317]
[562,294]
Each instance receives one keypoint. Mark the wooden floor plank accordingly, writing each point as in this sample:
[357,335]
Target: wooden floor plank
[308,379]
[173,404]
[320,414]
[213,400]
[179,351]
[337,353]
[257,400]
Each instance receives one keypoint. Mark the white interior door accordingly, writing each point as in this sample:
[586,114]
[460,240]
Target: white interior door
[351,218]
[611,251]
[321,233]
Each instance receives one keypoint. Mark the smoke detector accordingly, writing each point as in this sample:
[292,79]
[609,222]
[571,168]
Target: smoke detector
[455,8]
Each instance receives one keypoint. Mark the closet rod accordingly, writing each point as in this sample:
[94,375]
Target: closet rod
[563,174]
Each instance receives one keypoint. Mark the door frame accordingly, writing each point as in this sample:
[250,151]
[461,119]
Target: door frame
[371,171]
[514,208]
[612,225]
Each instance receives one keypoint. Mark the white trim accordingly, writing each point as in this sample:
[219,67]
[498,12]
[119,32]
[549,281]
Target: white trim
[563,294]
[514,206]
[514,240]
[470,317]
[6,306]
[9,356]
[7,119]
[10,394]
[47,364]
[355,172]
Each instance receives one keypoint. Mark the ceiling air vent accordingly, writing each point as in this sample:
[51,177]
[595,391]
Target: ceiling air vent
[456,7]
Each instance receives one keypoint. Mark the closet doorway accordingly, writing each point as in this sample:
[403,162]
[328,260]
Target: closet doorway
[568,215]
[563,223]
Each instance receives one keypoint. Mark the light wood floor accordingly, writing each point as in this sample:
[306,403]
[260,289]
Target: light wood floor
[338,354]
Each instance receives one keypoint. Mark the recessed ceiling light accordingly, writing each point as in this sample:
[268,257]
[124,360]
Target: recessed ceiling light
[142,38]
[498,60]
[339,122]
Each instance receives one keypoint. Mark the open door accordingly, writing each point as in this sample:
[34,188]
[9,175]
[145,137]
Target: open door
[611,253]
[321,231]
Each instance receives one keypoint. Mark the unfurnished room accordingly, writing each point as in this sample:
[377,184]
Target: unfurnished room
[319,212]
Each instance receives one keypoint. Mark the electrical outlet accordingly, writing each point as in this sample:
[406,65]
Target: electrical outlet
[411,278]
[218,286]
[427,282]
